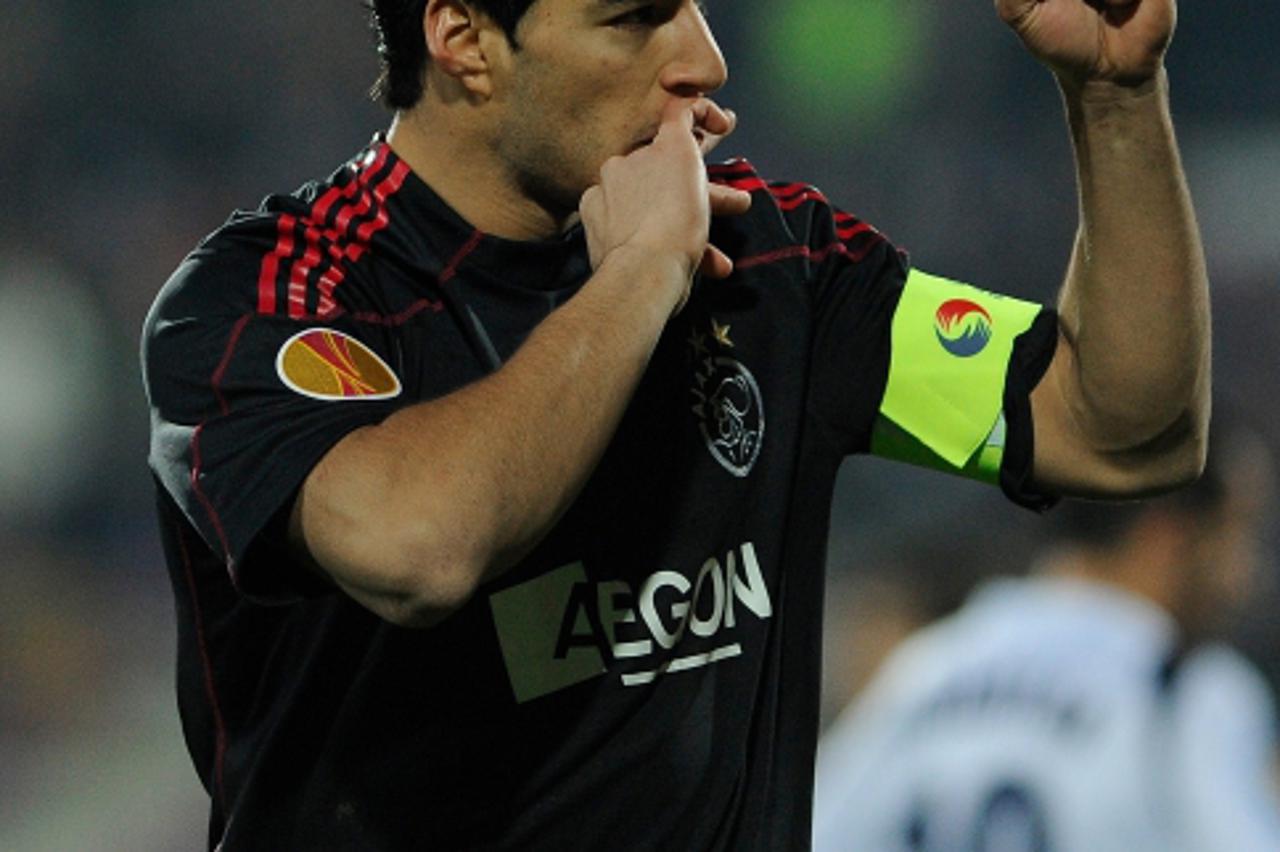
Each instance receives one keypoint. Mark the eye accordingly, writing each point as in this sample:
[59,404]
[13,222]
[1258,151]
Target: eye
[641,16]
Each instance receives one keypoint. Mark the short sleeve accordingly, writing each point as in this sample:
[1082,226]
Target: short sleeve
[243,406]
[916,368]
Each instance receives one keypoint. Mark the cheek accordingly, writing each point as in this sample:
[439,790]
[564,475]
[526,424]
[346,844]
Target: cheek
[592,129]
[561,123]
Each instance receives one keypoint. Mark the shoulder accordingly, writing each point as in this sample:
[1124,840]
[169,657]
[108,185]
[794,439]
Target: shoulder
[1217,680]
[290,255]
[794,216]
[220,276]
[791,198]
[783,194]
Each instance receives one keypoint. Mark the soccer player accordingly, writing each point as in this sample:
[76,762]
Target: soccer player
[1086,707]
[494,470]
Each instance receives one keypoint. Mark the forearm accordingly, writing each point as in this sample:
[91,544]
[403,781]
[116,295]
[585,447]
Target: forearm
[452,492]
[532,434]
[1134,311]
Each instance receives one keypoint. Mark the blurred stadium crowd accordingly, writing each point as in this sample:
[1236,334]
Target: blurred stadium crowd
[129,130]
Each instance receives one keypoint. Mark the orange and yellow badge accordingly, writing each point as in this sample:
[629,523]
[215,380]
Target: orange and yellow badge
[325,364]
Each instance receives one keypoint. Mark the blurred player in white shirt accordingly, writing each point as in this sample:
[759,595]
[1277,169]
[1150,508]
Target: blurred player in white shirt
[1085,709]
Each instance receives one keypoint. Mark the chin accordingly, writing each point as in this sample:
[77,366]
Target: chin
[553,193]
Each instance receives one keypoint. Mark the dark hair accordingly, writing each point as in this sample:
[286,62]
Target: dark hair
[402,48]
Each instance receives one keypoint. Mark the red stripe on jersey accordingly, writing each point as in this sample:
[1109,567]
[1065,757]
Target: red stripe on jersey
[271,264]
[811,254]
[386,189]
[197,461]
[352,252]
[452,269]
[787,196]
[723,176]
[210,689]
[315,234]
[808,194]
[853,230]
[332,236]
[297,291]
[851,254]
[298,276]
[215,381]
[286,242]
[393,320]
[772,257]
[784,191]
[734,165]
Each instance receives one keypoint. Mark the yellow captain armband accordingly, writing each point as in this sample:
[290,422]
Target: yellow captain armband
[950,350]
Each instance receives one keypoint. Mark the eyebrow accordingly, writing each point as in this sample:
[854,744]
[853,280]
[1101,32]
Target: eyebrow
[610,4]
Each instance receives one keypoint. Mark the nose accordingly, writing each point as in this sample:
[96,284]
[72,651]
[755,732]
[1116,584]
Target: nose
[698,67]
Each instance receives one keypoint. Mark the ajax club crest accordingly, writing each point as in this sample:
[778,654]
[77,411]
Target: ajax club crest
[726,402]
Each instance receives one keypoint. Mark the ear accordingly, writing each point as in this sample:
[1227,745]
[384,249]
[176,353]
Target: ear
[453,34]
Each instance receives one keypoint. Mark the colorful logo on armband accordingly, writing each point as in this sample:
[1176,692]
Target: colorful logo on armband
[963,327]
[328,365]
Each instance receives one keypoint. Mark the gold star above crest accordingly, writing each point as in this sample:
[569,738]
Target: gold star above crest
[721,334]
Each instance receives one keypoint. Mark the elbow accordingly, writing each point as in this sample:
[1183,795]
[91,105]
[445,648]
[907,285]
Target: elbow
[399,543]
[434,583]
[1144,446]
[1174,459]
[1179,469]
[404,576]
[1181,452]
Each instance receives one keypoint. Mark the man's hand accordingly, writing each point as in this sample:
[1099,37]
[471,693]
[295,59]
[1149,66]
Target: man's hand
[1115,41]
[657,200]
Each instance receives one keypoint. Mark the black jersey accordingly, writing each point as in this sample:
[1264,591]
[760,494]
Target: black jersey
[647,678]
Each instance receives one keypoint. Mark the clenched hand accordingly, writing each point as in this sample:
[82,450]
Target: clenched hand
[657,200]
[1115,41]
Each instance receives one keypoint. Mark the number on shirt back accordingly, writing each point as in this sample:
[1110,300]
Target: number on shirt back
[1009,818]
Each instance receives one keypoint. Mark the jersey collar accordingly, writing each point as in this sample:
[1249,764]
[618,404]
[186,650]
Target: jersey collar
[553,264]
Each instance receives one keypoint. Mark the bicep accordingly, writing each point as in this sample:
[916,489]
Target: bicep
[340,528]
[391,519]
[1067,462]
[233,438]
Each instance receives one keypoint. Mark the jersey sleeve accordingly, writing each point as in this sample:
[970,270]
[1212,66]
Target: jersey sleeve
[916,368]
[244,403]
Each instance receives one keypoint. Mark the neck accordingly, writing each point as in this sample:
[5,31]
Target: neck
[1124,568]
[465,171]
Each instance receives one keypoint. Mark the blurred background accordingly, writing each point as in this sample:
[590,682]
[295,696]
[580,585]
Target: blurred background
[129,130]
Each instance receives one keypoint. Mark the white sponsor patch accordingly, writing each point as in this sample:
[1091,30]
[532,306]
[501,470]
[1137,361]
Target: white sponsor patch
[562,629]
